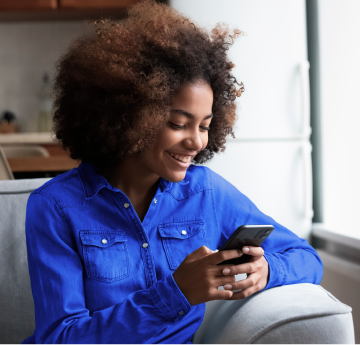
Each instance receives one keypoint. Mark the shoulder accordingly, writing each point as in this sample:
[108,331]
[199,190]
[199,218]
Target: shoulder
[198,179]
[63,190]
[223,190]
[203,175]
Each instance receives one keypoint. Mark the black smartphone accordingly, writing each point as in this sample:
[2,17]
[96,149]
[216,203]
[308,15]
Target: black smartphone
[246,235]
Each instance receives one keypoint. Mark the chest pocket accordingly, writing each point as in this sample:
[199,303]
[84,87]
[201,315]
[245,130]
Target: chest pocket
[105,254]
[181,239]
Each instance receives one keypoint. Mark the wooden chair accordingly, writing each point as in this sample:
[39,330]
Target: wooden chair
[5,171]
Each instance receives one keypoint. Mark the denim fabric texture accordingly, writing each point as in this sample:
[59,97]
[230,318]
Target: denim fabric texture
[100,275]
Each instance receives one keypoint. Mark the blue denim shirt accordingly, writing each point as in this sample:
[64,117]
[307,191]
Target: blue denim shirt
[100,275]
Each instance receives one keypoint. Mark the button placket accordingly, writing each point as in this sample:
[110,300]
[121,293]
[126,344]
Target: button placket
[140,228]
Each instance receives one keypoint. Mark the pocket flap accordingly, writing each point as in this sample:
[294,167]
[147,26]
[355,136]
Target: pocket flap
[180,230]
[101,238]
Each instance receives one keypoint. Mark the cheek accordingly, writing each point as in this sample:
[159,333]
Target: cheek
[167,139]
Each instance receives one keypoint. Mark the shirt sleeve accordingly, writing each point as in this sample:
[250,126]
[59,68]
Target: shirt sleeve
[291,259]
[56,274]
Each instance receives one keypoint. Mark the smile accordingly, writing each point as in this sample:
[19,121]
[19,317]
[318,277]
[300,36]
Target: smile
[180,158]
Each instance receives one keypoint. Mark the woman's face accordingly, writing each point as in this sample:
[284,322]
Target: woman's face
[184,135]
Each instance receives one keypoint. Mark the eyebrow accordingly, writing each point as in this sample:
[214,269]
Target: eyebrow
[189,115]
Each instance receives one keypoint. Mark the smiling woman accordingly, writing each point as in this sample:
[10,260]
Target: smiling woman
[122,248]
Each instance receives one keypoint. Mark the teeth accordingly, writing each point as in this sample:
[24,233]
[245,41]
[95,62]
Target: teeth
[184,159]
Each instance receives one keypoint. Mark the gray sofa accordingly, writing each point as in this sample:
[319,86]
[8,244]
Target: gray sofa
[302,313]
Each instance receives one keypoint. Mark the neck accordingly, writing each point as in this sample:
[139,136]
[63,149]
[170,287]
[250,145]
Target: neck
[133,179]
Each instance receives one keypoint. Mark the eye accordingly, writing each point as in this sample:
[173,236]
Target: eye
[176,126]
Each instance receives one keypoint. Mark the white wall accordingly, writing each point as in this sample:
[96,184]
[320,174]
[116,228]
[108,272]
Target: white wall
[27,51]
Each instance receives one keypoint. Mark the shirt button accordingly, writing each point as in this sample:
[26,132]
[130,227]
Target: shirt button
[181,313]
[126,205]
[103,241]
[145,245]
[184,232]
[155,200]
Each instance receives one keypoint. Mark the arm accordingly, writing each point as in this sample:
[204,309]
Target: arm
[290,259]
[56,273]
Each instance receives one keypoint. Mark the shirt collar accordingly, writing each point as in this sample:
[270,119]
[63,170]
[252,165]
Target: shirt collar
[93,182]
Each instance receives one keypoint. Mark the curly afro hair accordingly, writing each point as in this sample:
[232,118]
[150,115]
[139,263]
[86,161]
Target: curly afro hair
[113,87]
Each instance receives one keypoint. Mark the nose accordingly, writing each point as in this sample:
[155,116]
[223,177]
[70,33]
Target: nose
[194,141]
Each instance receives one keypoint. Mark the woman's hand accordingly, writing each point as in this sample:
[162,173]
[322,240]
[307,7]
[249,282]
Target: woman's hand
[198,276]
[257,270]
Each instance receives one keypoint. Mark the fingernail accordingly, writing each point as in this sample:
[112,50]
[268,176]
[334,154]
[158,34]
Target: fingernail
[246,249]
[227,286]
[226,271]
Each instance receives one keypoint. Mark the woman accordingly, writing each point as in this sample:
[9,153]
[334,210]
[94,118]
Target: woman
[122,249]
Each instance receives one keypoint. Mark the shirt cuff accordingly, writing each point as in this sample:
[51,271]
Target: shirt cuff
[276,271]
[170,299]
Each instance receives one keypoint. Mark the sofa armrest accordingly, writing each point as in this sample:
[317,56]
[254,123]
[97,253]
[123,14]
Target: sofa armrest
[17,318]
[292,314]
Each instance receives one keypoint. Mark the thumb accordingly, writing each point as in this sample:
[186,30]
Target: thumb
[199,253]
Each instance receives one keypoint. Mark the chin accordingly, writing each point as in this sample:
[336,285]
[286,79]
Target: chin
[175,177]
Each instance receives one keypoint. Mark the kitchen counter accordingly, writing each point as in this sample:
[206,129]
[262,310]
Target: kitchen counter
[27,138]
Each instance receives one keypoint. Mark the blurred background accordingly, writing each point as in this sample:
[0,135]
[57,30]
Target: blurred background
[296,151]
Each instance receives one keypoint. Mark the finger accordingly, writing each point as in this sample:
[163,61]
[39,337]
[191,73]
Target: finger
[250,281]
[248,267]
[221,256]
[221,281]
[244,293]
[253,251]
[217,270]
[221,294]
